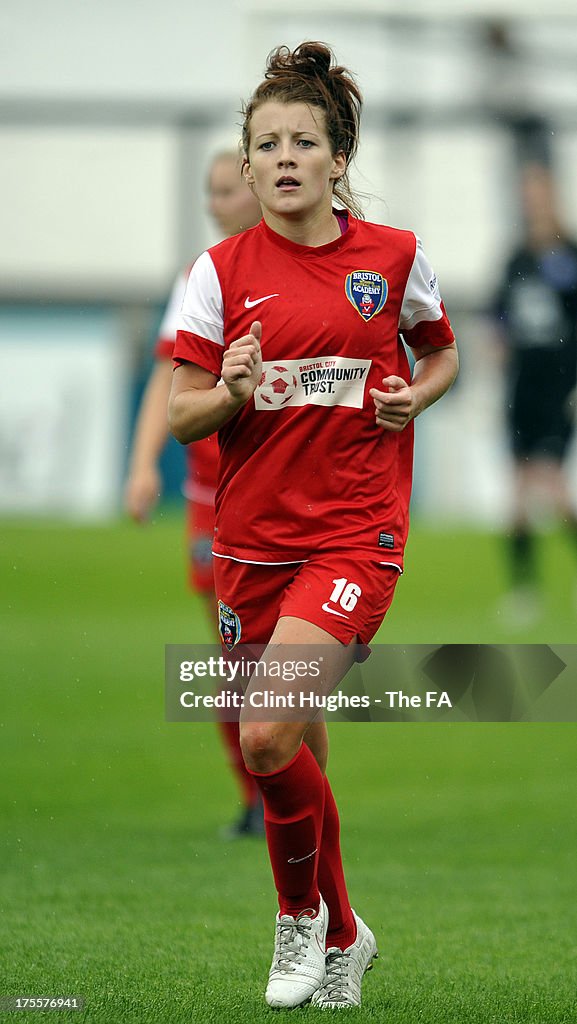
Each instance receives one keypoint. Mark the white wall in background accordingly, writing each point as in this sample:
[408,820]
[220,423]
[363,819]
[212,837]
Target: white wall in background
[93,206]
[63,396]
[86,208]
[119,49]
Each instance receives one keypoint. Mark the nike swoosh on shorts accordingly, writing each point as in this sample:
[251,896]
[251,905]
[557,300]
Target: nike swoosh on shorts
[333,612]
[249,303]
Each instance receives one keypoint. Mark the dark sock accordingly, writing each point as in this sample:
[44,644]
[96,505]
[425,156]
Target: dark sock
[293,799]
[522,556]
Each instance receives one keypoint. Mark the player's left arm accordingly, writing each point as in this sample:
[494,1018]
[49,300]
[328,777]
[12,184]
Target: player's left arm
[399,402]
[426,330]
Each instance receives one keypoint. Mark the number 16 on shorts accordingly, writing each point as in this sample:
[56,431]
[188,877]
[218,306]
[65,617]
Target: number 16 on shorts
[345,594]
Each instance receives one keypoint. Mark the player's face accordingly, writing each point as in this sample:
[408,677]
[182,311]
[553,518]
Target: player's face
[230,201]
[291,167]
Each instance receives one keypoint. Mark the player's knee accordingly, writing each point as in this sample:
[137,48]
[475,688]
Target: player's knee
[266,748]
[259,746]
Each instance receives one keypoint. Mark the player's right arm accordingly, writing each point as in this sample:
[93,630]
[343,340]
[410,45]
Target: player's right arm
[197,407]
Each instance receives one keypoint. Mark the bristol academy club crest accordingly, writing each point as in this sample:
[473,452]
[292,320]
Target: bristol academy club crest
[228,626]
[367,291]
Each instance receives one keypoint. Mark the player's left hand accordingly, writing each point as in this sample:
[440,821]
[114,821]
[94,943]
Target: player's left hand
[394,406]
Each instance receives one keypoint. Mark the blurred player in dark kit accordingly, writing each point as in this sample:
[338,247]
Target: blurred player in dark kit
[537,317]
[300,319]
[233,208]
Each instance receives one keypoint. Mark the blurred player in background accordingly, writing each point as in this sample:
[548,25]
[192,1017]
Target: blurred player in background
[537,315]
[234,208]
[315,466]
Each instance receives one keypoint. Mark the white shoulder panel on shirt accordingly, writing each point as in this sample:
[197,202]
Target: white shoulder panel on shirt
[421,300]
[202,306]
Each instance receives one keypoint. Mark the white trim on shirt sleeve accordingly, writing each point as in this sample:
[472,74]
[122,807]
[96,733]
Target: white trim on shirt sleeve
[421,301]
[202,310]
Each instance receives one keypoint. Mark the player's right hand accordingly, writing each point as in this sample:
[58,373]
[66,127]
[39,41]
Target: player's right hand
[242,364]
[394,405]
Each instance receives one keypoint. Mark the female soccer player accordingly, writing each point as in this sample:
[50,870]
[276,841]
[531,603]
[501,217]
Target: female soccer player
[233,208]
[300,318]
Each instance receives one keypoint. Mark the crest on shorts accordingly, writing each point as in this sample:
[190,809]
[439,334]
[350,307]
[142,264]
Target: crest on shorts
[367,291]
[228,626]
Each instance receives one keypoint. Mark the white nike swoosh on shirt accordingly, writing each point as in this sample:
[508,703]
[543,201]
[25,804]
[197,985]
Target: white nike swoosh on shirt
[333,612]
[249,303]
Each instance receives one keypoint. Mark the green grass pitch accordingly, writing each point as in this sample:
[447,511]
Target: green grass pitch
[459,840]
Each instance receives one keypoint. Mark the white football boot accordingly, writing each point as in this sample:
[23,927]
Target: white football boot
[298,964]
[345,969]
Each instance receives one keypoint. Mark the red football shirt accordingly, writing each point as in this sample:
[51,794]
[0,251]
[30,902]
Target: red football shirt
[201,456]
[304,467]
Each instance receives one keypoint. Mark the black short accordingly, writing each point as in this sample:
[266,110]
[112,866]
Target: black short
[540,421]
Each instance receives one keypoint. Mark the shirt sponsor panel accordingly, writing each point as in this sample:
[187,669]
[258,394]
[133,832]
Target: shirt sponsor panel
[321,380]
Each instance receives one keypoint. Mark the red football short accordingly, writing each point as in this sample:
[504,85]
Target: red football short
[347,595]
[200,536]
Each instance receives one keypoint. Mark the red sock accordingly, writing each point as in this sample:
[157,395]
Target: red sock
[230,736]
[342,927]
[293,799]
